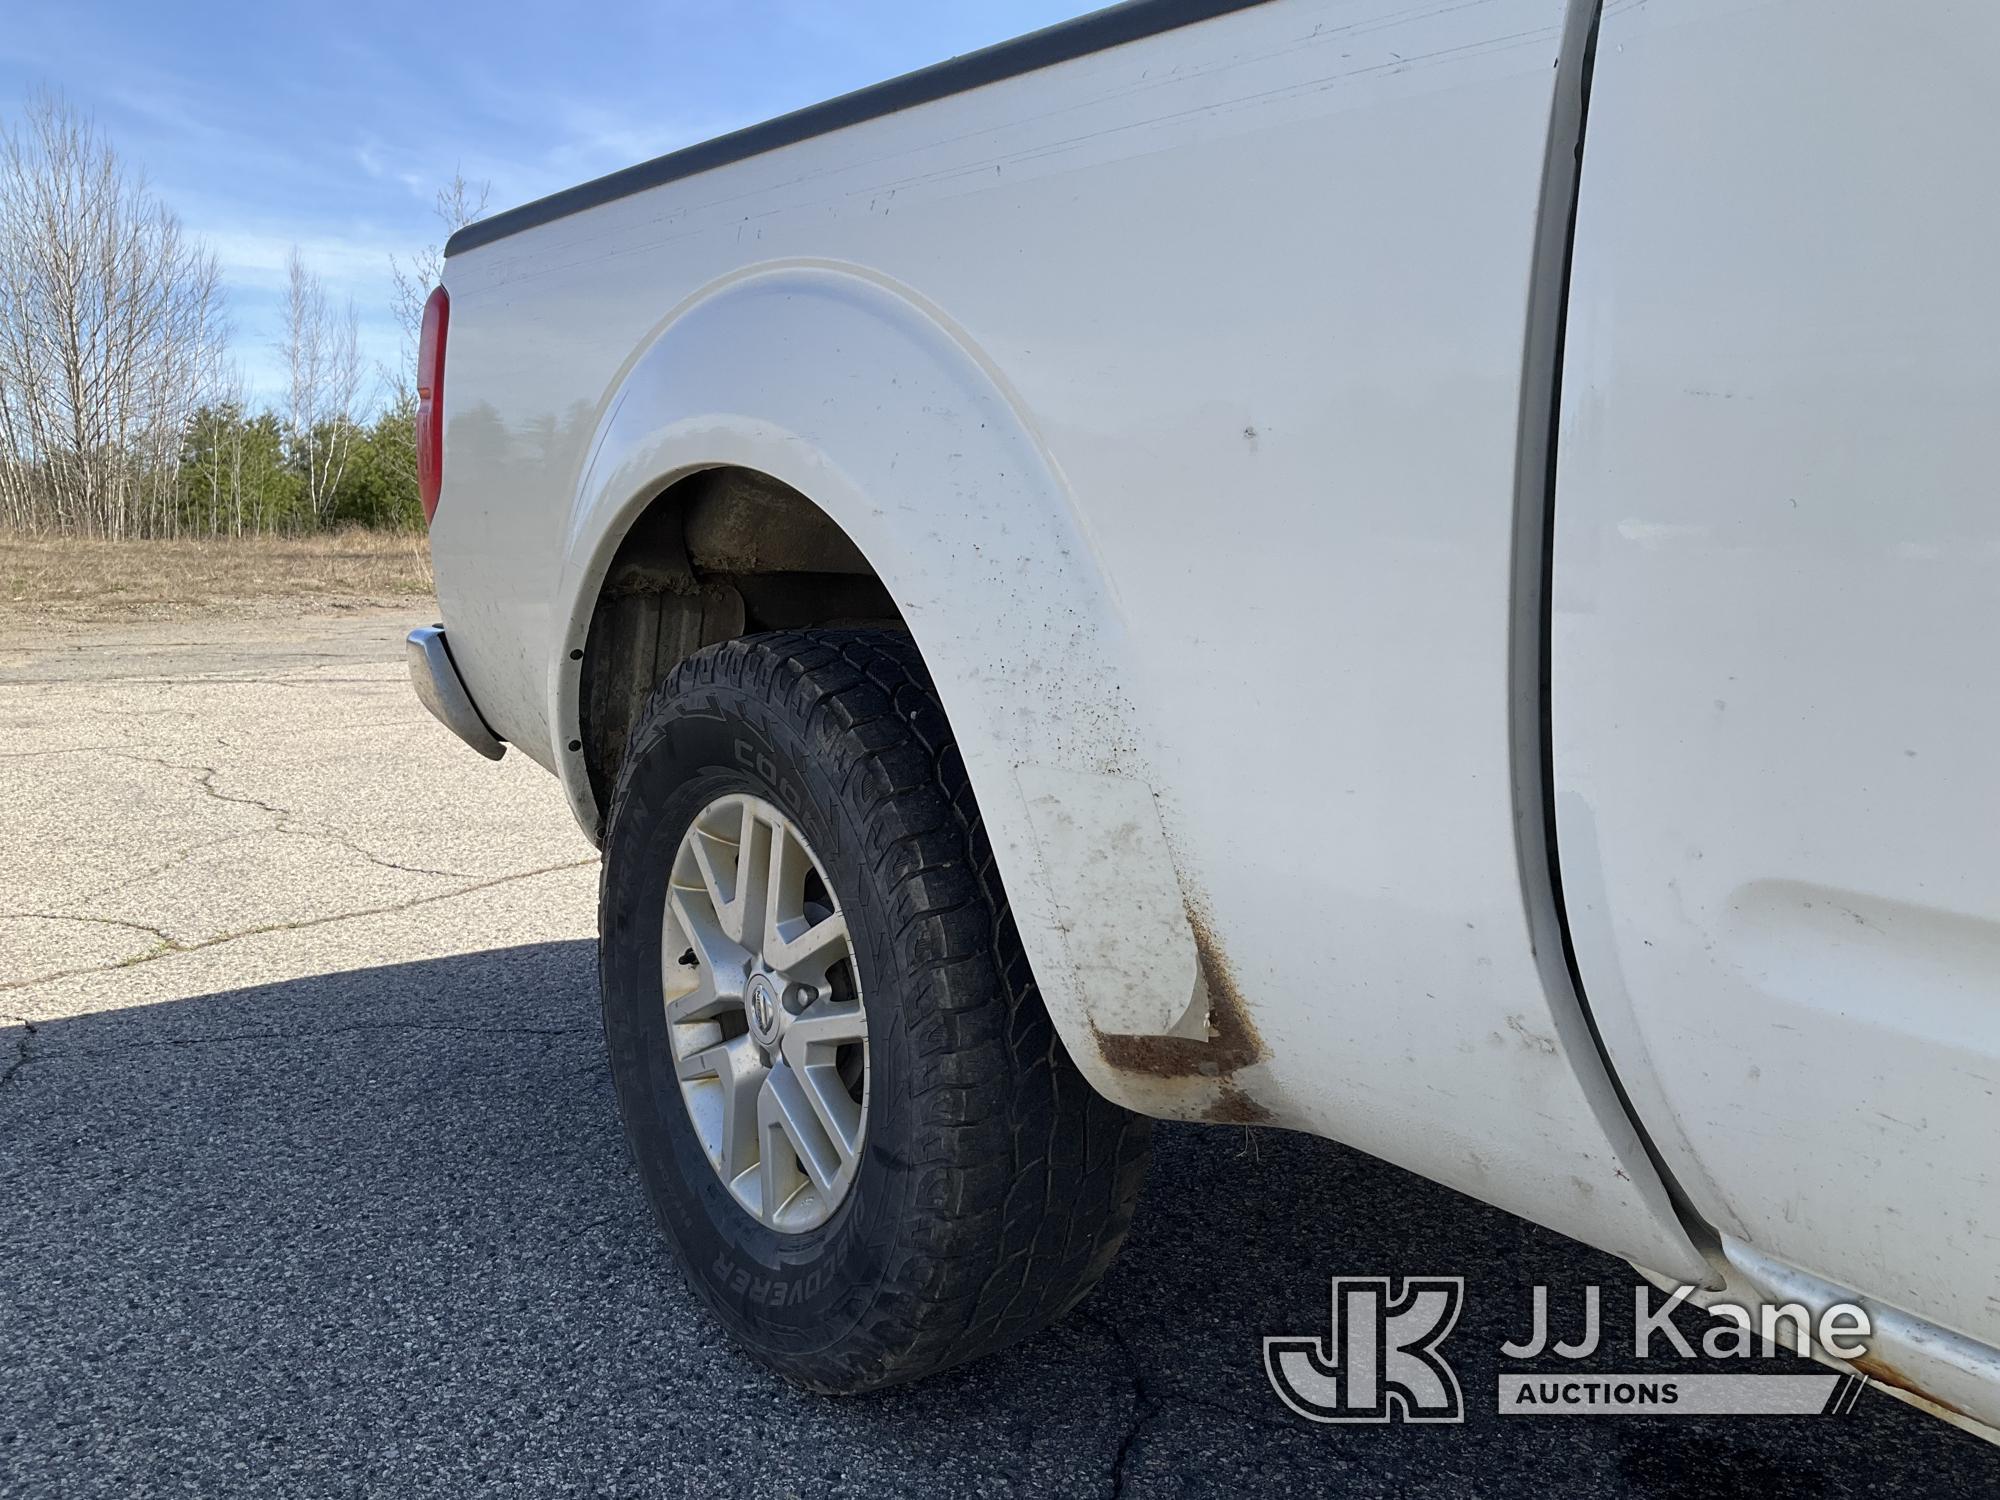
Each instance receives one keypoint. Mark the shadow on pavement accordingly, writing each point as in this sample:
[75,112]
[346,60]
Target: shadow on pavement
[375,1232]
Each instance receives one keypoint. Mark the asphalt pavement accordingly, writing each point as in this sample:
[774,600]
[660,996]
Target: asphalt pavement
[311,1181]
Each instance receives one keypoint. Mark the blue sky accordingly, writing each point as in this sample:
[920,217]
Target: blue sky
[331,125]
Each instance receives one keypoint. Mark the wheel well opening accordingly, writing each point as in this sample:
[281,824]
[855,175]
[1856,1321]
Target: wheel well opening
[722,553]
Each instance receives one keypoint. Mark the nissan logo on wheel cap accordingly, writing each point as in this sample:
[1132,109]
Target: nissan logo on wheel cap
[762,1004]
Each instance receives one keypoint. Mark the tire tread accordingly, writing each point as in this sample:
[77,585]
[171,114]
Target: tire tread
[1029,1177]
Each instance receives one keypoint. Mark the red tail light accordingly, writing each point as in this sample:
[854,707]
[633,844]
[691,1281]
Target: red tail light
[430,401]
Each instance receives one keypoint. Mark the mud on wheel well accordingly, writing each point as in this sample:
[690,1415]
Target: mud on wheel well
[720,554]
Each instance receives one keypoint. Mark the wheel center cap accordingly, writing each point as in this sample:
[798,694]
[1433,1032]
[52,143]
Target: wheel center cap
[760,1002]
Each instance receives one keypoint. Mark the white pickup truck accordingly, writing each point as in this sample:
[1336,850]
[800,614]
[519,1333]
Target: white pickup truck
[1424,573]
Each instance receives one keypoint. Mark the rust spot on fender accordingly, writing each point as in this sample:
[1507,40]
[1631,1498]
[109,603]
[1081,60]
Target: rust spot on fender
[1234,1107]
[1232,1042]
[1884,1373]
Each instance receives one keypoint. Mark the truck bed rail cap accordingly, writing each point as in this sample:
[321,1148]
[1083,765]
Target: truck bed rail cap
[1100,29]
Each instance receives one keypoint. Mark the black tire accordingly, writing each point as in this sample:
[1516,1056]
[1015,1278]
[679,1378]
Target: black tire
[995,1185]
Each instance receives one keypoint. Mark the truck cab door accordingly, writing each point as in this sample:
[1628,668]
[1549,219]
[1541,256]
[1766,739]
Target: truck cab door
[1775,655]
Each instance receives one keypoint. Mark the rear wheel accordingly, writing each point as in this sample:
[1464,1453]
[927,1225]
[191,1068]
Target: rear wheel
[855,1122]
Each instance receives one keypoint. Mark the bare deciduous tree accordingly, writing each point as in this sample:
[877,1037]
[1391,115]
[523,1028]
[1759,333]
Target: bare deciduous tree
[456,205]
[323,368]
[111,332]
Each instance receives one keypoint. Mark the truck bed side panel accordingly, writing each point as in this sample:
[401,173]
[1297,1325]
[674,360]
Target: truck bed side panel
[1252,298]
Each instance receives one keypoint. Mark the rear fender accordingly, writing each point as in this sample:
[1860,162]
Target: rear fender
[869,402]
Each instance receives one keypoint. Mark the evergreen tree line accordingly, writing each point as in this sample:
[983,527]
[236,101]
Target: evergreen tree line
[119,415]
[240,473]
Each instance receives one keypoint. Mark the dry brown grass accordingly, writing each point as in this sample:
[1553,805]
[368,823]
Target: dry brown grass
[66,578]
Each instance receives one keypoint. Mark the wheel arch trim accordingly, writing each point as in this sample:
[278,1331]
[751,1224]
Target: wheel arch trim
[865,399]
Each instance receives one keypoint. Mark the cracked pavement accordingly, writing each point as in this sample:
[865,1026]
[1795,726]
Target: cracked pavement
[311,1182]
[173,788]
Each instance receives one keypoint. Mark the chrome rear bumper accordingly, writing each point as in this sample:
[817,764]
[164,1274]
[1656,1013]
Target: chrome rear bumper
[440,689]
